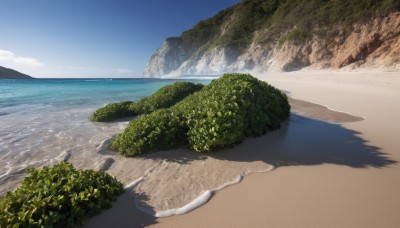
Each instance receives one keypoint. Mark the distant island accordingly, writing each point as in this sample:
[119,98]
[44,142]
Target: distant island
[287,35]
[7,73]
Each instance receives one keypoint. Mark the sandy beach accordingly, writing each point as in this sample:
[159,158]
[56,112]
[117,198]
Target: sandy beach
[332,168]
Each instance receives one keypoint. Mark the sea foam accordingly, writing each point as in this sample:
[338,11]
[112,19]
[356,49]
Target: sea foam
[192,205]
[55,128]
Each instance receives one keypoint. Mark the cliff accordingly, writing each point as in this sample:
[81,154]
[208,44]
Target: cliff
[6,73]
[272,35]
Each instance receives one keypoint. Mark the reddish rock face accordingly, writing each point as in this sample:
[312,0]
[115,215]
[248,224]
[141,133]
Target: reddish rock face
[371,44]
[375,44]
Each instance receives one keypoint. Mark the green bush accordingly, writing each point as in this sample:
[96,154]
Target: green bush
[159,130]
[231,108]
[222,114]
[60,196]
[112,112]
[163,98]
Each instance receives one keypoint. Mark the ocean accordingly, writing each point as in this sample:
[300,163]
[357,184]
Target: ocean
[45,121]
[40,119]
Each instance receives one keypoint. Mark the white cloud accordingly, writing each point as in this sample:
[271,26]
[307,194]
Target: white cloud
[26,61]
[6,55]
[124,71]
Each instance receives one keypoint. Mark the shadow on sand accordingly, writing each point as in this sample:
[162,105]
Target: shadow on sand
[124,213]
[306,141]
[301,141]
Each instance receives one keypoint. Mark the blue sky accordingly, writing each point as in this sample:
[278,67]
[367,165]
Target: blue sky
[93,38]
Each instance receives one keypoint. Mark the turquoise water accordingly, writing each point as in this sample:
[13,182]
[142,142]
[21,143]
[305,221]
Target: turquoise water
[44,121]
[43,95]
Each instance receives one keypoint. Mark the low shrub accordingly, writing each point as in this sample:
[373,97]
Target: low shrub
[112,112]
[296,36]
[60,196]
[159,130]
[232,108]
[221,115]
[163,98]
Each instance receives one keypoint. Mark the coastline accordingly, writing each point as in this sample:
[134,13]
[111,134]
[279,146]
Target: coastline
[335,190]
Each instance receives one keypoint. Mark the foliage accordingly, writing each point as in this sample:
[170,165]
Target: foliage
[159,130]
[163,98]
[298,36]
[222,114]
[324,13]
[58,197]
[204,31]
[231,108]
[235,28]
[112,112]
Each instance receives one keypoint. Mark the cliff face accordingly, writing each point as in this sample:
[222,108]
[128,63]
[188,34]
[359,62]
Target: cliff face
[373,43]
[167,58]
[6,73]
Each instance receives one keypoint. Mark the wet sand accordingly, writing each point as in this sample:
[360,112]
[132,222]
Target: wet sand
[351,181]
[334,171]
[163,183]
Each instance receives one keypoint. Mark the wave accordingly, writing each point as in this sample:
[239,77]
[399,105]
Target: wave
[8,167]
[200,200]
[44,134]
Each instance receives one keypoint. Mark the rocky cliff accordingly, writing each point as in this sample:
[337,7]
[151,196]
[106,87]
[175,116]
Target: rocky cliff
[361,42]
[6,73]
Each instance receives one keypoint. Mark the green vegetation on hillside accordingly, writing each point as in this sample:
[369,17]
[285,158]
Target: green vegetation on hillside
[163,98]
[220,115]
[314,14]
[60,196]
[274,18]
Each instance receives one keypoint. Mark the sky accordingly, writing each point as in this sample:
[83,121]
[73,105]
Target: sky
[93,38]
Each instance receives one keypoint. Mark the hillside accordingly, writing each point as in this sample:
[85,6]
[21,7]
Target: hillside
[286,35]
[6,73]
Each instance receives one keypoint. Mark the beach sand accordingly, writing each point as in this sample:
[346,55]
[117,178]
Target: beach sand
[334,171]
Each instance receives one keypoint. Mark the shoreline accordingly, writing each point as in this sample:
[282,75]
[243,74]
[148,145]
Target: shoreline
[325,194]
[308,110]
[222,201]
[302,108]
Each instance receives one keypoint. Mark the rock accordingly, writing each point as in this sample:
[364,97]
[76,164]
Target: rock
[167,58]
[372,44]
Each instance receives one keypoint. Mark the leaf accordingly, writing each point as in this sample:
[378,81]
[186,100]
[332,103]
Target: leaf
[62,205]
